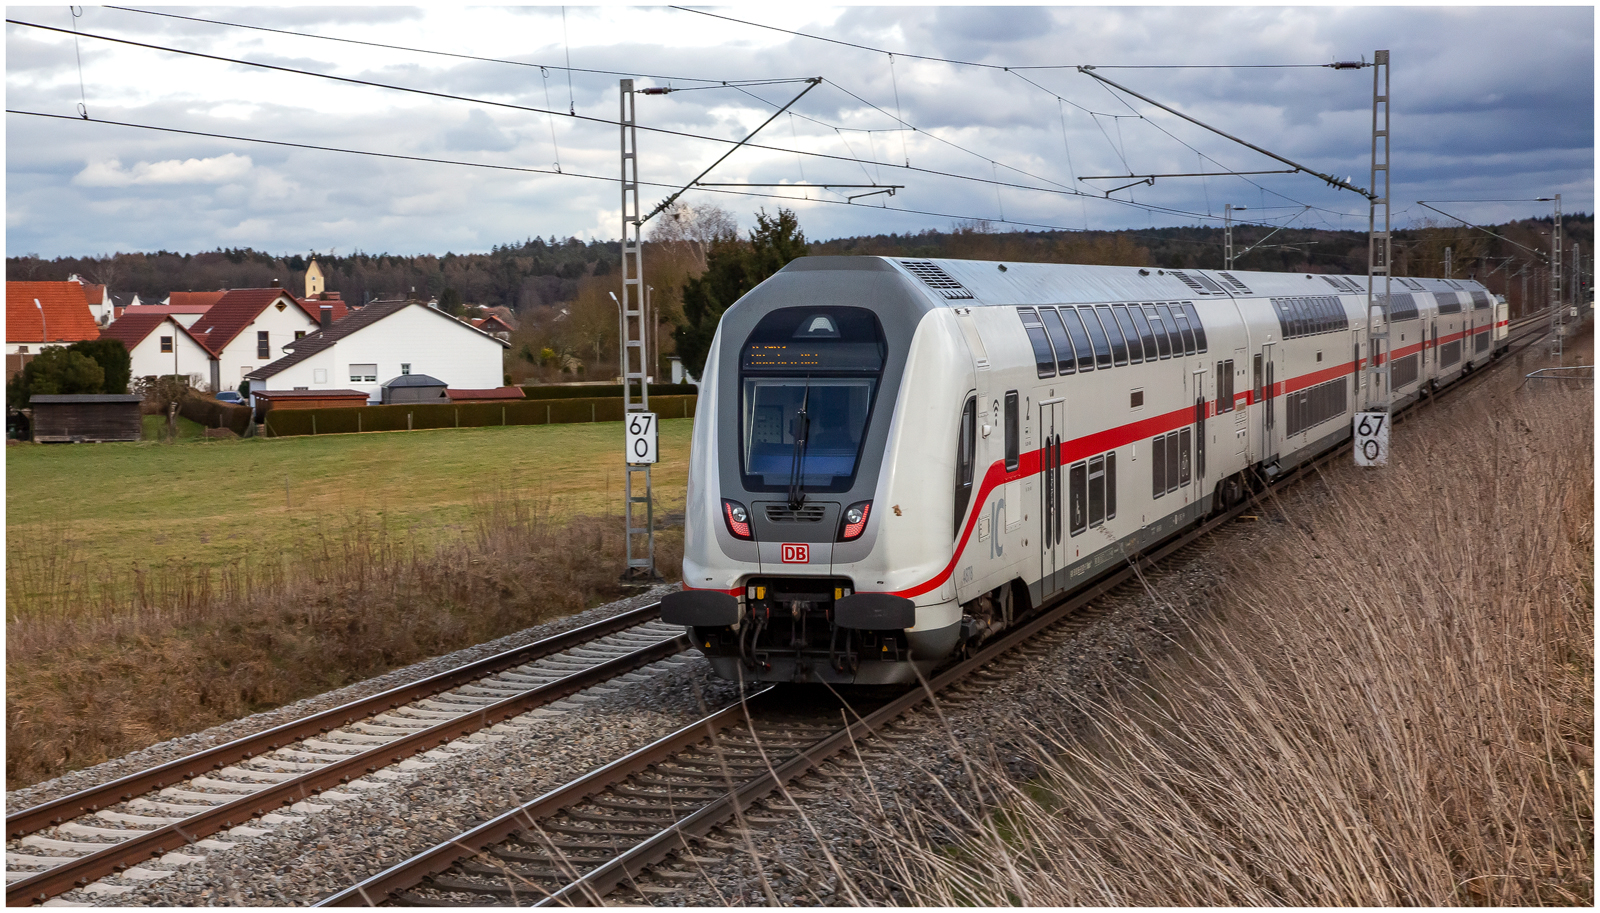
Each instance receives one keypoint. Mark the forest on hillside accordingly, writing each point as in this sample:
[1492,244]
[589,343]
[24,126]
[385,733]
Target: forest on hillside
[558,290]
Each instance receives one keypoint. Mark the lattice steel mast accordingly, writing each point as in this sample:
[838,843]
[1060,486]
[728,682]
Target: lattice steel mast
[1377,394]
[641,540]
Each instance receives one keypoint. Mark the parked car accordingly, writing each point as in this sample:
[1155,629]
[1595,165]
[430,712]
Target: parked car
[231,397]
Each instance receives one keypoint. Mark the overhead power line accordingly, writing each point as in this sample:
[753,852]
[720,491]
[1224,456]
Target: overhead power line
[416,50]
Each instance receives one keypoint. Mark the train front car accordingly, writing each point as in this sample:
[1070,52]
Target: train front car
[808,441]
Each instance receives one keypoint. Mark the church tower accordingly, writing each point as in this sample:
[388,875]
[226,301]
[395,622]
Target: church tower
[314,283]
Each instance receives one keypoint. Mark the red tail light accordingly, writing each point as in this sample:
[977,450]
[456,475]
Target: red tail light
[737,518]
[855,521]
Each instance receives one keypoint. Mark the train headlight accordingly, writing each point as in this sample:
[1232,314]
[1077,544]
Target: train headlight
[737,518]
[855,521]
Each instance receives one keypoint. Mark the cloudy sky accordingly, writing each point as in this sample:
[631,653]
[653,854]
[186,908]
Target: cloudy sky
[1490,103]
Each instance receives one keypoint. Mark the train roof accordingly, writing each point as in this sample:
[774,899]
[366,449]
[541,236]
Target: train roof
[961,283]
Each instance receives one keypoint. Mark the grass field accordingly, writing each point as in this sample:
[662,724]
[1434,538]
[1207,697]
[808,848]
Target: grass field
[210,501]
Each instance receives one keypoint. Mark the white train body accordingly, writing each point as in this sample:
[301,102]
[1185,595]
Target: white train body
[1005,454]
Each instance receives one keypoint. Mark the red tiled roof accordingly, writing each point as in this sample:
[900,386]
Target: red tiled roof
[313,307]
[232,313]
[492,324]
[494,395]
[195,300]
[133,328]
[66,313]
[94,294]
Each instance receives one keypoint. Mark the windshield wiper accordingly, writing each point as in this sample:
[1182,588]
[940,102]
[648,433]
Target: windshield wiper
[802,431]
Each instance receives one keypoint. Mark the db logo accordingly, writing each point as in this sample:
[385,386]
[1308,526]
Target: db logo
[796,553]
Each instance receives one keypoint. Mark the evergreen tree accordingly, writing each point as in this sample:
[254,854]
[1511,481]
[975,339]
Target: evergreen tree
[55,370]
[112,356]
[733,267]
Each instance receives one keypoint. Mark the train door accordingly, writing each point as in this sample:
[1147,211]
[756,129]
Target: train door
[1053,553]
[1241,417]
[1200,409]
[1269,401]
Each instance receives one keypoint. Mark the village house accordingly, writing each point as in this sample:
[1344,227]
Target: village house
[44,313]
[248,328]
[159,344]
[383,341]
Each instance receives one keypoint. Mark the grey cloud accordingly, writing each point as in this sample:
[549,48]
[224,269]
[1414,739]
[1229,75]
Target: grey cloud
[478,133]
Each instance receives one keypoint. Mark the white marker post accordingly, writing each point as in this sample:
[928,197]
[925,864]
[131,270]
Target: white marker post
[641,438]
[1372,438]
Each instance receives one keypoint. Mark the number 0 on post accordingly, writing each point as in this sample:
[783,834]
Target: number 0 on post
[641,437]
[1372,438]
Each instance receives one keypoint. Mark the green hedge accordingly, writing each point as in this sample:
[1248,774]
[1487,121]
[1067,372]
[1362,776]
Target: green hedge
[208,412]
[419,416]
[556,391]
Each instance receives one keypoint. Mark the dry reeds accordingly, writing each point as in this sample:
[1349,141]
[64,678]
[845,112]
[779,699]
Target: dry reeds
[101,660]
[1391,706]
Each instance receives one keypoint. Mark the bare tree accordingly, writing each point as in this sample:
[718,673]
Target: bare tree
[695,227]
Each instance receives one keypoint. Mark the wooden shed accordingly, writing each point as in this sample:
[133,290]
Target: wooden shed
[267,400]
[86,417]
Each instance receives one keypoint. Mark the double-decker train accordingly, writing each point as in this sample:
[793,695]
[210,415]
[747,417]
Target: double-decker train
[896,457]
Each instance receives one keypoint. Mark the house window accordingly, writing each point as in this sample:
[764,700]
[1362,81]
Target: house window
[363,374]
[22,350]
[319,375]
[263,348]
[299,334]
[405,367]
[166,343]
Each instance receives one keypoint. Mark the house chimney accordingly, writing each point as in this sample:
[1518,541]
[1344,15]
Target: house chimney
[273,284]
[327,316]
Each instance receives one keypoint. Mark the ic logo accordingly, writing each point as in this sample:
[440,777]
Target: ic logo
[796,553]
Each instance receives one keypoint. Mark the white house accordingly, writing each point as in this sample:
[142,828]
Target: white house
[158,344]
[384,340]
[249,328]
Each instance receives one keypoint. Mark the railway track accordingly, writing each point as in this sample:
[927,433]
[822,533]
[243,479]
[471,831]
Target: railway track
[579,842]
[250,785]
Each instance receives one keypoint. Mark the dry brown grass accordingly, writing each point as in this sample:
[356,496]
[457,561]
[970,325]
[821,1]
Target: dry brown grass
[90,676]
[1392,706]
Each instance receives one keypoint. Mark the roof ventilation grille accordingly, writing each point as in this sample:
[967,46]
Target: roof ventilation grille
[1233,280]
[1199,283]
[1412,284]
[935,278]
[1452,283]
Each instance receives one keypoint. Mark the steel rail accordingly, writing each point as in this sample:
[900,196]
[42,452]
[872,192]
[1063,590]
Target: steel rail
[97,797]
[430,862]
[115,857]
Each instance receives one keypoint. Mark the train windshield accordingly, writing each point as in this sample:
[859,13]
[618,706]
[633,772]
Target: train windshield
[808,379]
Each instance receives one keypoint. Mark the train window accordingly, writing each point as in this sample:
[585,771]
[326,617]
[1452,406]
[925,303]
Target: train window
[1111,485]
[1282,307]
[1097,491]
[1013,432]
[1163,341]
[1131,335]
[1097,336]
[1178,329]
[1075,499]
[1301,321]
[966,443]
[1147,336]
[1058,338]
[1318,318]
[1119,346]
[1044,357]
[1194,324]
[1224,386]
[1184,437]
[1172,462]
[1136,399]
[1080,338]
[1255,382]
[1158,466]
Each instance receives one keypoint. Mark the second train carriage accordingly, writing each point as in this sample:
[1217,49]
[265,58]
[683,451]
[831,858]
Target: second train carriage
[894,457]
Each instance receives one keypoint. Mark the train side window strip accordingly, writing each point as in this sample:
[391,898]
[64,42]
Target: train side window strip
[1080,339]
[1058,336]
[1111,485]
[1182,340]
[1013,433]
[1077,520]
[1097,491]
[1129,333]
[1097,338]
[1043,356]
[1163,341]
[966,443]
[1197,326]
[1147,336]
[1158,466]
[1119,345]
